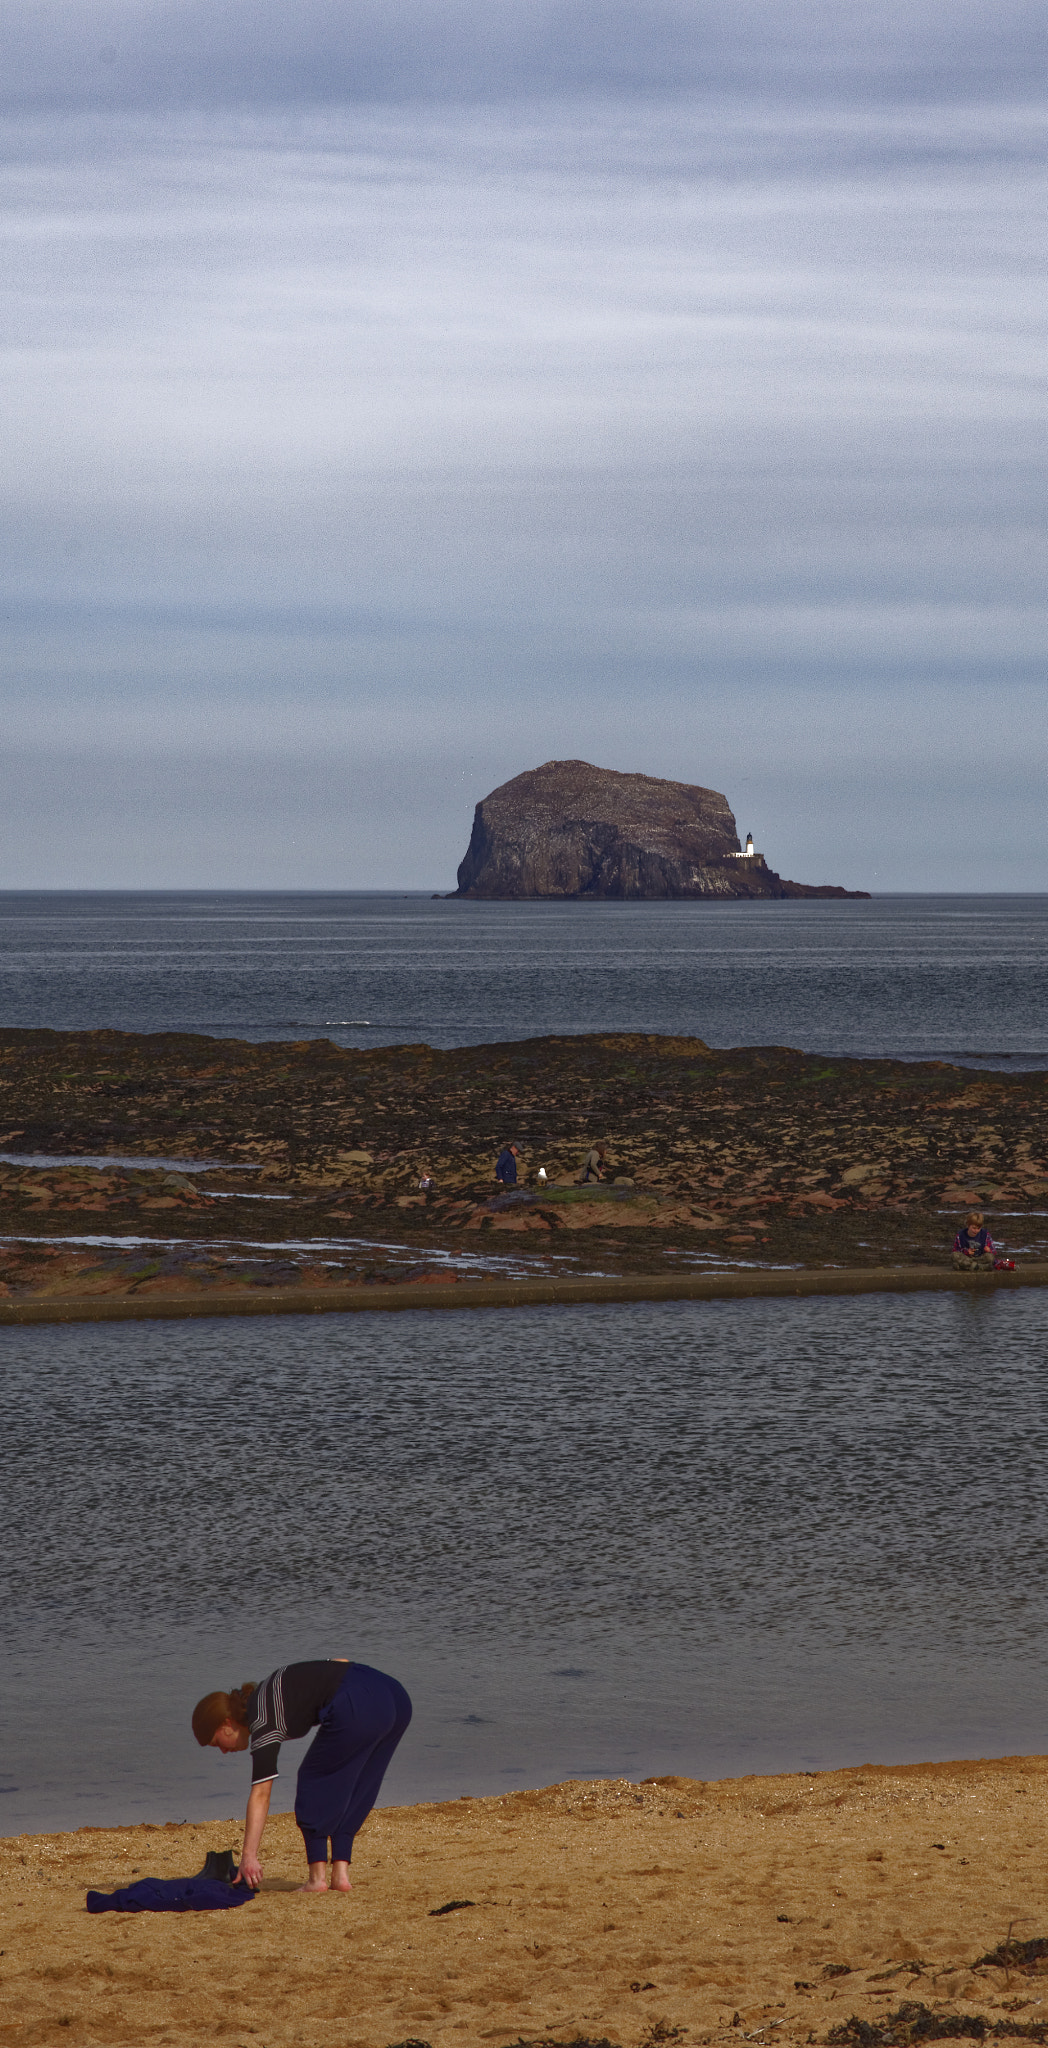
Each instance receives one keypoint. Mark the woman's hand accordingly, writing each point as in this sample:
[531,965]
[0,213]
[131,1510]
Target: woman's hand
[257,1810]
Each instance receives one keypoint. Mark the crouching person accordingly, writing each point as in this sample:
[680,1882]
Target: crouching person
[973,1247]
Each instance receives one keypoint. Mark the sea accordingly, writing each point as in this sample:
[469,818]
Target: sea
[910,977]
[700,1537]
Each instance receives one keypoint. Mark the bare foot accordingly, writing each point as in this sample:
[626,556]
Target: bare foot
[340,1881]
[315,1885]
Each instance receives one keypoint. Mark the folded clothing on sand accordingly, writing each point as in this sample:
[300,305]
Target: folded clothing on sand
[171,1895]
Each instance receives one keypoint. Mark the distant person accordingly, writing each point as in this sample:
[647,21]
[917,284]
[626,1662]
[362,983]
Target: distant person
[973,1247]
[506,1165]
[594,1167]
[360,1716]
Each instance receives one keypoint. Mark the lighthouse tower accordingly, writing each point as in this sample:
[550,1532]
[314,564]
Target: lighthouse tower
[749,846]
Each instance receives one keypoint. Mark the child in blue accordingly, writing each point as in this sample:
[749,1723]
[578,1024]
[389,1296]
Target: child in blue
[360,1715]
[973,1247]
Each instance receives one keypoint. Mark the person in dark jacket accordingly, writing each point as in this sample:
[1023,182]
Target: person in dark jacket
[360,1716]
[506,1165]
[973,1247]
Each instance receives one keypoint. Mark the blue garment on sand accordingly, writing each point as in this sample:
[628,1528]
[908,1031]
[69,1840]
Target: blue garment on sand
[342,1771]
[171,1895]
[506,1168]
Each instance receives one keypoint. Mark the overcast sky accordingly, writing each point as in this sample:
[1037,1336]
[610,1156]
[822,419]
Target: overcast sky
[397,396]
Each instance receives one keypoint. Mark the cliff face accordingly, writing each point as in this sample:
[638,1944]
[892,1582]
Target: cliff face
[569,830]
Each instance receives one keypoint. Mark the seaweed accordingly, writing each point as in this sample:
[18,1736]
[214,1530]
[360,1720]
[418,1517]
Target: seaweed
[914,2022]
[550,2041]
[1014,1955]
[761,1130]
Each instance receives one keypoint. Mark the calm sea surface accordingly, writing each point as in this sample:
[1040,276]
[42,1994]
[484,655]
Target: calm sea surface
[702,1537]
[917,977]
[698,1537]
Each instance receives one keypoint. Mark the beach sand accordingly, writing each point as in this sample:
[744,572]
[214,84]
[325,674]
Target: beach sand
[771,1909]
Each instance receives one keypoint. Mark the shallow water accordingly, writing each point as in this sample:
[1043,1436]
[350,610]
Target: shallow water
[703,1537]
[324,1251]
[104,1162]
[913,977]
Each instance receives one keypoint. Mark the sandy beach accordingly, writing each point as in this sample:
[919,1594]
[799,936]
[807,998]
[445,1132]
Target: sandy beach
[775,1908]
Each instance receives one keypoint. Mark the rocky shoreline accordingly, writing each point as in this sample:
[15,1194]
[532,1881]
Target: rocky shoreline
[753,1159]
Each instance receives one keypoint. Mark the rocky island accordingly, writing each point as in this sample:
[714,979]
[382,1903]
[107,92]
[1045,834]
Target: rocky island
[568,829]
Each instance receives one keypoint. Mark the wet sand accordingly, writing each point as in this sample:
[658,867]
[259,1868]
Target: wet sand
[778,1908]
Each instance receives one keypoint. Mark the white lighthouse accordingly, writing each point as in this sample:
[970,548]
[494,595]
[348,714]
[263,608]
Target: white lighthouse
[747,852]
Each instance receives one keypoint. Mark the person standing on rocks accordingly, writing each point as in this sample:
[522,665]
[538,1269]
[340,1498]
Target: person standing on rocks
[506,1165]
[360,1716]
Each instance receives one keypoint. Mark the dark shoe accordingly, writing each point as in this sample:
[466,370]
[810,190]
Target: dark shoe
[220,1864]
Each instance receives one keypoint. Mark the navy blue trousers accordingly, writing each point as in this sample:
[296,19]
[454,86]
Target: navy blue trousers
[340,1775]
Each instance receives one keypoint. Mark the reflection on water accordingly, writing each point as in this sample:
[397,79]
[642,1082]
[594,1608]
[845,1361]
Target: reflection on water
[707,1537]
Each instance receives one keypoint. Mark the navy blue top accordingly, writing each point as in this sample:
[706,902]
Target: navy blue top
[287,1705]
[506,1168]
[978,1241]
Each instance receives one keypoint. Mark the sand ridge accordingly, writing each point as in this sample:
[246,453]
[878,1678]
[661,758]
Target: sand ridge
[767,1909]
[496,1292]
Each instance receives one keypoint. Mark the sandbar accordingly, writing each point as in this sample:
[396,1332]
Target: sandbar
[496,1292]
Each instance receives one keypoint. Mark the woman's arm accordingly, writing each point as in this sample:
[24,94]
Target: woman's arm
[257,1814]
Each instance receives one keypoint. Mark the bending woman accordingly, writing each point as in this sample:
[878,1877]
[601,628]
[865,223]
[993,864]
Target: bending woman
[360,1714]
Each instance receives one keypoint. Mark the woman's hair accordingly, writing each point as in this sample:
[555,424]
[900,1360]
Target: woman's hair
[216,1708]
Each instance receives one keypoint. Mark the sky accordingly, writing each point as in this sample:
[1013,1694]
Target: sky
[396,396]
